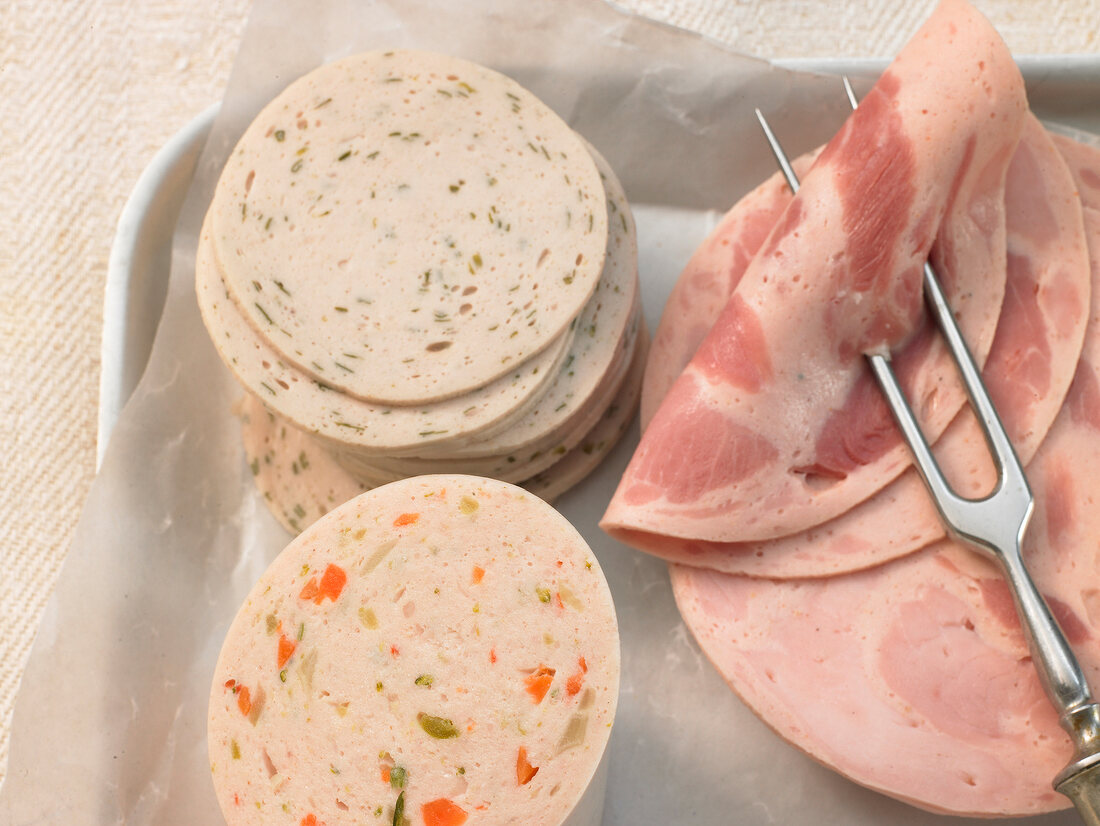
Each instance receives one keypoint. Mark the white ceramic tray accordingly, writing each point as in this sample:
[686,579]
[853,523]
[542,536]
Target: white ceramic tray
[680,724]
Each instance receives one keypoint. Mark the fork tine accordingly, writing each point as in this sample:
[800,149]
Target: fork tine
[777,151]
[1004,454]
[850,92]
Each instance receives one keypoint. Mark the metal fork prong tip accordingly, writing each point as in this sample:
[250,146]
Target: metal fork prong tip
[777,151]
[850,92]
[767,129]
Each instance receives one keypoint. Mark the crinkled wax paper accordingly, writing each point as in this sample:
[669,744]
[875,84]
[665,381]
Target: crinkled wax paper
[110,722]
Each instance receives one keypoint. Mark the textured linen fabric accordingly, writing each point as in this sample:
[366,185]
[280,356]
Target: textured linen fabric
[90,89]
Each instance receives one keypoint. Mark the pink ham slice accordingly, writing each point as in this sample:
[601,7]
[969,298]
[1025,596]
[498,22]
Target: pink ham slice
[1028,371]
[903,678]
[709,279]
[776,425]
[913,677]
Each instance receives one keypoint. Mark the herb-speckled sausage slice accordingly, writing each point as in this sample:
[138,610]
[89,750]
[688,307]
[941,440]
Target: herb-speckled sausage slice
[346,421]
[408,227]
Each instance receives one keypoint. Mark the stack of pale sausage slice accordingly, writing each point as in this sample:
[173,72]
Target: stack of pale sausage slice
[811,565]
[415,266]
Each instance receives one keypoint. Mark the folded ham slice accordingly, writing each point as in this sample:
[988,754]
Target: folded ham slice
[1031,363]
[776,424]
[709,279]
[913,677]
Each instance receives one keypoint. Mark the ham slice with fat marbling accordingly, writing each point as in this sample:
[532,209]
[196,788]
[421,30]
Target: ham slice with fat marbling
[776,425]
[1028,371]
[708,280]
[913,677]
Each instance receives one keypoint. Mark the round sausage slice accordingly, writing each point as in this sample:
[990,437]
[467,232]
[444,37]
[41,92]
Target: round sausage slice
[439,649]
[408,227]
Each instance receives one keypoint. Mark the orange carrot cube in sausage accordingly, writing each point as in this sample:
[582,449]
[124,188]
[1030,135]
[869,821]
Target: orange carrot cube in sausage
[332,583]
[286,649]
[524,770]
[244,700]
[443,812]
[538,683]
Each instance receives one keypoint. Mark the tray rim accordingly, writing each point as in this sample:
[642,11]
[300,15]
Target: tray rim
[155,200]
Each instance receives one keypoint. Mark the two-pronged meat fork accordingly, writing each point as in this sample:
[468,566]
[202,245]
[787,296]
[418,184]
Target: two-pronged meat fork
[995,525]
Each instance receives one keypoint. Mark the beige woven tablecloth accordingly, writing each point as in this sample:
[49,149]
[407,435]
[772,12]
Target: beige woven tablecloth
[89,89]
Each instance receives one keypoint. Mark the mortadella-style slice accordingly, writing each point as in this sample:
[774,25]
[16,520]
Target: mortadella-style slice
[777,425]
[1028,372]
[390,221]
[440,650]
[913,677]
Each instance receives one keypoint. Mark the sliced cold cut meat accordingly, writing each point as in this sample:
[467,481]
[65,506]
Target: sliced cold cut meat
[342,420]
[776,425]
[1030,366]
[586,456]
[602,347]
[522,463]
[708,280]
[445,643]
[301,480]
[913,677]
[298,478]
[513,428]
[378,196]
[598,358]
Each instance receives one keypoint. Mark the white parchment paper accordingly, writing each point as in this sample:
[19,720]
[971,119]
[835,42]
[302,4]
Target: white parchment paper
[110,722]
